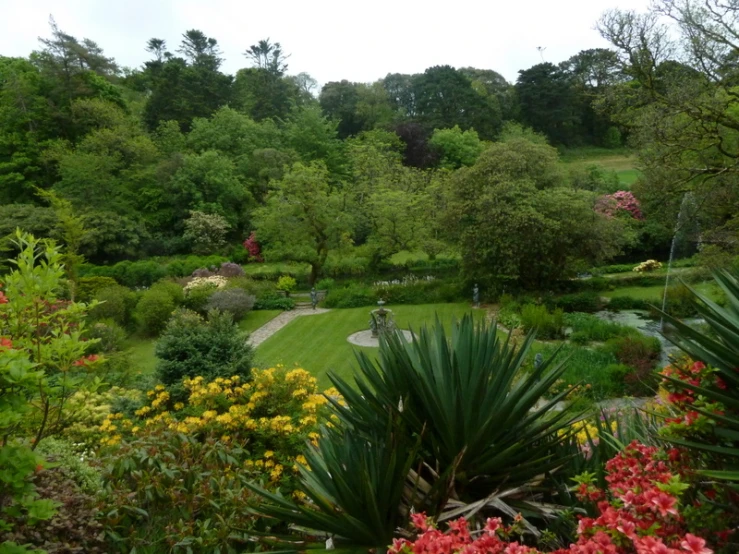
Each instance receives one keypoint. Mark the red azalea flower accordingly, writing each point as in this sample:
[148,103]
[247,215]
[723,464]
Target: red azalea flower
[3,298]
[5,343]
[695,545]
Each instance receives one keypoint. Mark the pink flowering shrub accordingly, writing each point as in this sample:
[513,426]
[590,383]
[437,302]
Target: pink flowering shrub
[622,201]
[638,514]
[252,246]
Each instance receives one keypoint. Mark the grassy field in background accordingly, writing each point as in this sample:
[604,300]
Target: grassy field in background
[654,294]
[621,161]
[318,343]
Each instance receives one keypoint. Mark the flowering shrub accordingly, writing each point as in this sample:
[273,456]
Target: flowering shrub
[638,514]
[252,246]
[622,201]
[649,265]
[214,281]
[273,416]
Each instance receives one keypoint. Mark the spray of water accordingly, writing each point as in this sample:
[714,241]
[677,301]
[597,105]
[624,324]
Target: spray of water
[683,217]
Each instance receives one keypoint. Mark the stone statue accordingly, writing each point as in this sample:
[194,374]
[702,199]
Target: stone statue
[538,360]
[314,297]
[476,296]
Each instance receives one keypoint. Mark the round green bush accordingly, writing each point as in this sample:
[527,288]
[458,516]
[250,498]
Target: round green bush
[197,298]
[153,311]
[87,287]
[191,346]
[111,337]
[116,303]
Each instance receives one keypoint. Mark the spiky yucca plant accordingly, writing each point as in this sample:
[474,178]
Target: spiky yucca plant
[449,424]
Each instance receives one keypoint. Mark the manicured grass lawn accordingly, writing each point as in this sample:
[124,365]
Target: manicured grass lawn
[142,355]
[318,343]
[256,318]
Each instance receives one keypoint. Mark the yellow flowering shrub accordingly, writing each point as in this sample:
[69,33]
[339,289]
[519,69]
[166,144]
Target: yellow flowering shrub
[85,412]
[269,418]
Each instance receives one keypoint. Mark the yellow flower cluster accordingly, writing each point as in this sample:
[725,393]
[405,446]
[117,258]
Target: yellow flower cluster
[274,414]
[585,431]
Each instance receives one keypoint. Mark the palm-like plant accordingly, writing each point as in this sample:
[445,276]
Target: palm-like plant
[446,424]
[720,349]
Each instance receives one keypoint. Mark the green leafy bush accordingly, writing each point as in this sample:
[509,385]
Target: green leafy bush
[197,298]
[326,284]
[287,284]
[588,328]
[153,310]
[233,301]
[642,355]
[353,296]
[191,346]
[586,368]
[577,302]
[680,301]
[627,303]
[274,302]
[62,452]
[87,287]
[185,498]
[73,528]
[116,303]
[421,292]
[110,336]
[548,325]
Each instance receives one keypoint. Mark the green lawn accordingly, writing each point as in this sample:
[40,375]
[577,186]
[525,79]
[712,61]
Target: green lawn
[655,293]
[142,354]
[621,161]
[256,318]
[318,343]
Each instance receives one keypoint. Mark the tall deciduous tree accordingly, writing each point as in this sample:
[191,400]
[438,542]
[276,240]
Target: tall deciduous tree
[516,227]
[304,218]
[682,108]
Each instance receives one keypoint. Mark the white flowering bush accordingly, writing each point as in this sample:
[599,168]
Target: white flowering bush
[649,265]
[214,281]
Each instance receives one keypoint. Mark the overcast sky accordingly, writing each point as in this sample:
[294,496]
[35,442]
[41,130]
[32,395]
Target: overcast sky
[331,40]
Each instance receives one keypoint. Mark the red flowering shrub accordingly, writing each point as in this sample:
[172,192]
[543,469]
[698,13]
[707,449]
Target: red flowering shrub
[252,246]
[621,201]
[638,514]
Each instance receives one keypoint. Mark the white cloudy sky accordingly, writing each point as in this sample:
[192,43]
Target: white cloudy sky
[330,39]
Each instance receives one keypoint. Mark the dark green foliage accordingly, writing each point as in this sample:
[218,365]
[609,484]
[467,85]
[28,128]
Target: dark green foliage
[326,284]
[422,292]
[547,325]
[139,512]
[116,303]
[191,346]
[680,301]
[641,354]
[197,298]
[146,272]
[615,268]
[353,296]
[577,302]
[111,336]
[627,303]
[233,301]
[74,528]
[88,287]
[586,368]
[274,301]
[156,306]
[588,328]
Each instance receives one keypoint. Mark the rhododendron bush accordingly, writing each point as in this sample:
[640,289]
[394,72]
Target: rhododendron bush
[621,202]
[639,513]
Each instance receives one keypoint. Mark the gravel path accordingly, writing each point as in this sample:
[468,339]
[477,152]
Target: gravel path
[274,325]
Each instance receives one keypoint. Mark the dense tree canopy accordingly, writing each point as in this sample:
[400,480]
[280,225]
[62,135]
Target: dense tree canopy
[421,161]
